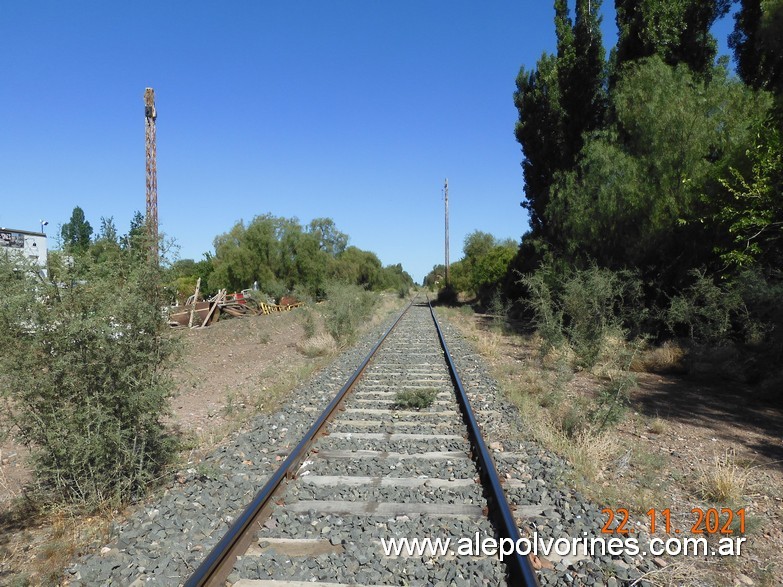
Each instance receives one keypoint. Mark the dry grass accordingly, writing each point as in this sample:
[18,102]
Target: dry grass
[555,416]
[275,387]
[657,426]
[487,343]
[45,554]
[667,358]
[320,345]
[722,481]
[589,452]
[642,462]
[7,486]
[677,574]
[559,357]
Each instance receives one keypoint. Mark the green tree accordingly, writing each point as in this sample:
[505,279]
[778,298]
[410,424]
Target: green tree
[752,209]
[540,130]
[581,73]
[483,266]
[394,277]
[640,188]
[106,245]
[477,244]
[301,261]
[558,102]
[234,265]
[330,240]
[135,241]
[676,30]
[281,255]
[183,275]
[489,271]
[76,233]
[436,277]
[108,231]
[358,267]
[757,42]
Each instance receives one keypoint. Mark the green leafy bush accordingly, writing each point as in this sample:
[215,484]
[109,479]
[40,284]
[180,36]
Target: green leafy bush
[704,310]
[587,312]
[542,300]
[348,306]
[582,308]
[83,374]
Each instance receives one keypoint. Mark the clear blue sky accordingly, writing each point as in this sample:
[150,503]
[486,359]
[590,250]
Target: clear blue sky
[356,110]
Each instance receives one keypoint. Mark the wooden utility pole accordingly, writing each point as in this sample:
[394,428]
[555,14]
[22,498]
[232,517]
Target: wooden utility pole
[150,115]
[446,197]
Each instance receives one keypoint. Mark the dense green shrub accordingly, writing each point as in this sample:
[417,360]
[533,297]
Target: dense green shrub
[743,314]
[347,307]
[542,299]
[583,307]
[761,294]
[82,372]
[703,311]
[447,296]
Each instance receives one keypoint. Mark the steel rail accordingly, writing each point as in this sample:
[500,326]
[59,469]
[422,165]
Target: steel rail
[218,564]
[520,570]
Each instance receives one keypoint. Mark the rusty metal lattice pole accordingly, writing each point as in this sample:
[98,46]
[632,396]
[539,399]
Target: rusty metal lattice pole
[150,115]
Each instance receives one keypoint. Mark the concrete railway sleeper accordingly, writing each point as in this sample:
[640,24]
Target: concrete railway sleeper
[368,471]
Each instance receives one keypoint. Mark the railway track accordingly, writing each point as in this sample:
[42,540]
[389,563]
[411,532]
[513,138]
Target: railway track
[368,471]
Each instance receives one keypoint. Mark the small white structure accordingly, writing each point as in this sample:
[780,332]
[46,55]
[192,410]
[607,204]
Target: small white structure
[30,245]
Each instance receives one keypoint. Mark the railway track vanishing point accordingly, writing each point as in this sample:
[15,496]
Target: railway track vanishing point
[366,471]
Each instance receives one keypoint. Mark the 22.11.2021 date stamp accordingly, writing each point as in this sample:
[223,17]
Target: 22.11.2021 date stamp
[705,521]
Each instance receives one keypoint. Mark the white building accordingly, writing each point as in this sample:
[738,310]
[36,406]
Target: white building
[30,245]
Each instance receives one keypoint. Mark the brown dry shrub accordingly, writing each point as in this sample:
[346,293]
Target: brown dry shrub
[722,480]
[667,358]
[320,345]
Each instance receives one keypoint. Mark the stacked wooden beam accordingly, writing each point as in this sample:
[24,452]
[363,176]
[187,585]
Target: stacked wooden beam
[199,314]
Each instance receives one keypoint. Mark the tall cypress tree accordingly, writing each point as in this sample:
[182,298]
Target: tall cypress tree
[677,30]
[539,131]
[77,232]
[757,42]
[583,77]
[559,101]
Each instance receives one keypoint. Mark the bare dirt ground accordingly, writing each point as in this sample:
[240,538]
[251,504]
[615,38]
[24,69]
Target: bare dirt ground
[704,421]
[227,366]
[224,375]
[667,444]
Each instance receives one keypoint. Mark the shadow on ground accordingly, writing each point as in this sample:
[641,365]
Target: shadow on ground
[732,411]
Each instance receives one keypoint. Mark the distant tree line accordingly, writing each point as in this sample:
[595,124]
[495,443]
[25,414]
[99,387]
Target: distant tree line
[482,268]
[281,256]
[278,255]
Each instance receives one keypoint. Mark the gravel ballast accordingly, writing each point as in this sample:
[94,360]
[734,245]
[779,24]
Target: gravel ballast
[164,540]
